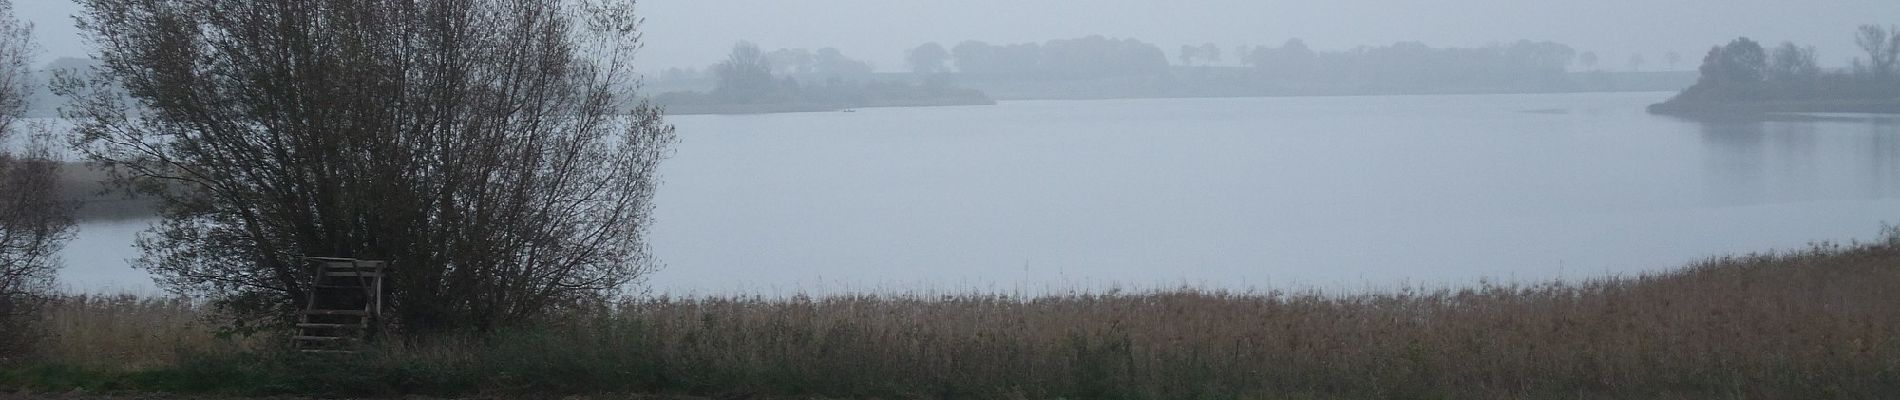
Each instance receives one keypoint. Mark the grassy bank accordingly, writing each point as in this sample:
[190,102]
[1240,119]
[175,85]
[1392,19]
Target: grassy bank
[1821,323]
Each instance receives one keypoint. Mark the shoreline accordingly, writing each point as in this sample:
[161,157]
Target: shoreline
[1757,109]
[779,108]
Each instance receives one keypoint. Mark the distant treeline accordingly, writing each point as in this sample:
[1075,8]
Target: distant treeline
[1088,57]
[1292,67]
[1414,66]
[1103,67]
[1744,77]
[1084,58]
[753,81]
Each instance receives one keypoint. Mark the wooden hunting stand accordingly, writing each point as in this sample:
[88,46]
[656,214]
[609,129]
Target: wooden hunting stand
[345,304]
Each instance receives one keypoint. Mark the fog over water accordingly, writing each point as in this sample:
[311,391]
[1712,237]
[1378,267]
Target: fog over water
[683,33]
[1234,193]
[1333,192]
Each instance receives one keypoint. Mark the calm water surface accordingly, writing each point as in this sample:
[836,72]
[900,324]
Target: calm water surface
[1337,193]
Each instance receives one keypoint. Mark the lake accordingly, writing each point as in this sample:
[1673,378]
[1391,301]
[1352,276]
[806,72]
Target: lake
[1334,193]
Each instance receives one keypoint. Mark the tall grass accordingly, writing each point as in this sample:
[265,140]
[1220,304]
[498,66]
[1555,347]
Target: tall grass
[123,331]
[1824,322]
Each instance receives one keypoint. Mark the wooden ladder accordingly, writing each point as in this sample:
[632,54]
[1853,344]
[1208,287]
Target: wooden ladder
[344,303]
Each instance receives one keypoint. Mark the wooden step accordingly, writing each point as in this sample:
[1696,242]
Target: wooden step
[329,286]
[330,326]
[327,351]
[353,274]
[335,312]
[319,338]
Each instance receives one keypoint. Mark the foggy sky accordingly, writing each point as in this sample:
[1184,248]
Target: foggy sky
[685,33]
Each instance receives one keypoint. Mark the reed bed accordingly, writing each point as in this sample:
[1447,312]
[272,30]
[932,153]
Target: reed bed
[1820,323]
[123,331]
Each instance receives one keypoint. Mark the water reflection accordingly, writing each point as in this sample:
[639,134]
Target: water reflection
[1749,162]
[1228,193]
[1734,161]
[1884,151]
[98,258]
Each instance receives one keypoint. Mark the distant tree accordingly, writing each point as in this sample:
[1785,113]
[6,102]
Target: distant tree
[1711,68]
[1742,71]
[1209,53]
[1673,58]
[930,58]
[974,57]
[833,64]
[1882,45]
[1188,54]
[1589,60]
[1741,61]
[1637,61]
[1296,48]
[745,76]
[1243,55]
[493,151]
[34,223]
[1291,60]
[790,61]
[1791,63]
[1744,60]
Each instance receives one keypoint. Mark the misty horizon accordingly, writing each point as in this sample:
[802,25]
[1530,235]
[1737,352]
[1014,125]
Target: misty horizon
[693,34]
[867,199]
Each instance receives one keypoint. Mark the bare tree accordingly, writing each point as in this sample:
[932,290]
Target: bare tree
[1882,45]
[1673,58]
[746,77]
[492,150]
[1791,63]
[34,222]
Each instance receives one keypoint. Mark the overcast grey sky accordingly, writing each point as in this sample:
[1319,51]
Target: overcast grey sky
[698,32]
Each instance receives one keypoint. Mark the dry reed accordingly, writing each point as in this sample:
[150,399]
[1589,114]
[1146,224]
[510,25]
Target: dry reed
[1822,321]
[124,331]
[1819,323]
